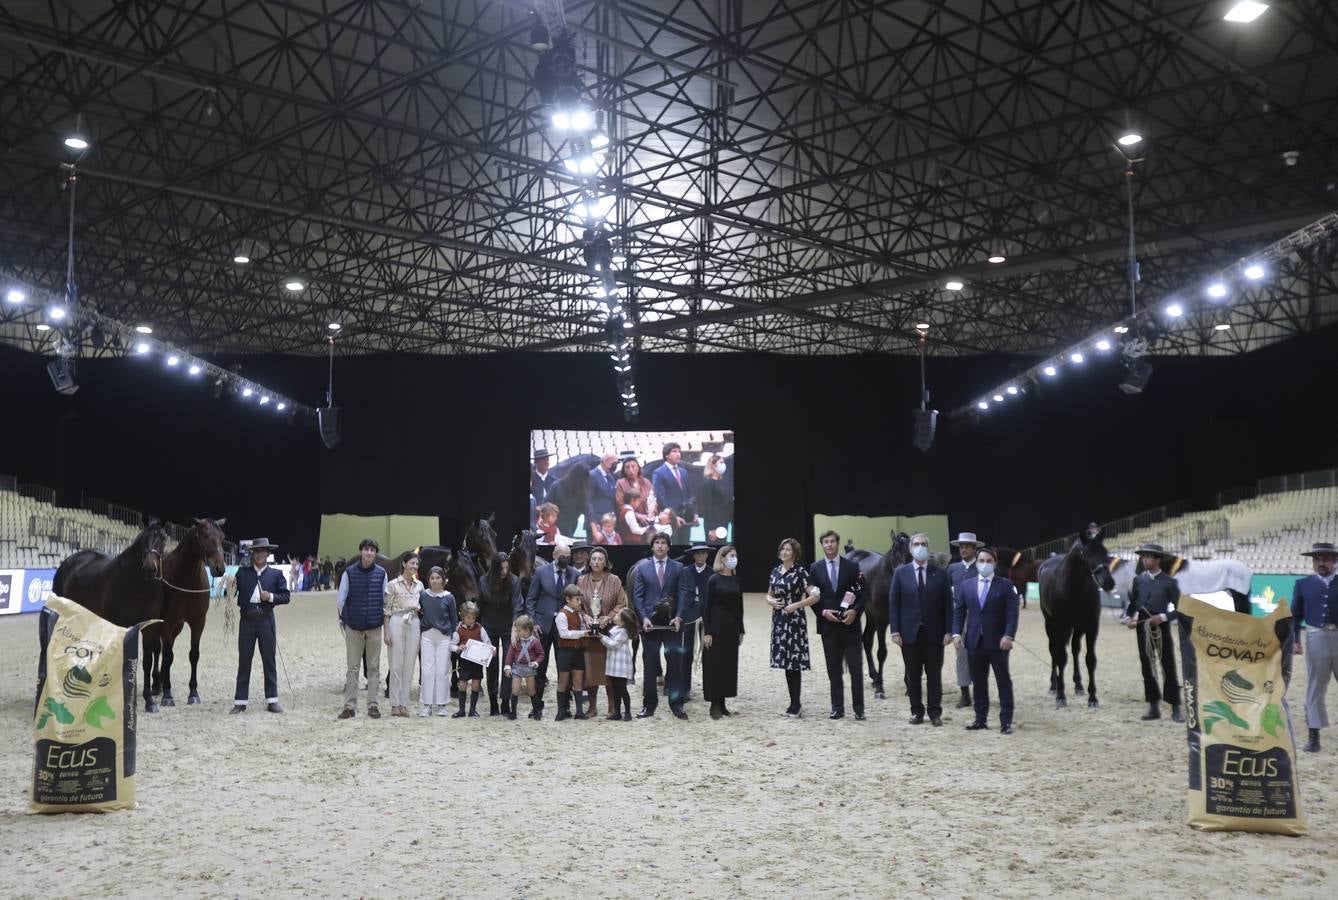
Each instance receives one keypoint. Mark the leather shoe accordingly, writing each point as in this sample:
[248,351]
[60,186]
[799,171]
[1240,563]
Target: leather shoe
[646,713]
[274,707]
[373,712]
[346,713]
[917,719]
[837,714]
[859,717]
[236,708]
[679,712]
[1006,728]
[536,713]
[1176,714]
[977,726]
[936,721]
[1154,712]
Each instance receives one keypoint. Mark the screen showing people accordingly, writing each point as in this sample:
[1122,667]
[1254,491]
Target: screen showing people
[624,487]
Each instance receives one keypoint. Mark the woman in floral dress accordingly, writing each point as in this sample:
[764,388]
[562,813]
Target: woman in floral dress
[789,591]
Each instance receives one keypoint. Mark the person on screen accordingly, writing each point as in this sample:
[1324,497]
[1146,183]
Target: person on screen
[673,489]
[541,480]
[634,527]
[631,479]
[602,499]
[715,500]
[607,533]
[548,530]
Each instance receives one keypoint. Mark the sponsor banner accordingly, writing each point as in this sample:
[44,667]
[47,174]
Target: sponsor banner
[36,588]
[11,591]
[1267,590]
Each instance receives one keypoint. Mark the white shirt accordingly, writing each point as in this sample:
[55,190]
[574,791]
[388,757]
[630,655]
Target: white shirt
[563,631]
[255,595]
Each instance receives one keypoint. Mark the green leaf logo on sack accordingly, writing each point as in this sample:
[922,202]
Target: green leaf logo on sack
[98,710]
[1271,720]
[76,682]
[59,710]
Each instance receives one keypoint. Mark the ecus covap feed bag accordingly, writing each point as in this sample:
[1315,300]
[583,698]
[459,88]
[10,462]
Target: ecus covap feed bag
[1242,754]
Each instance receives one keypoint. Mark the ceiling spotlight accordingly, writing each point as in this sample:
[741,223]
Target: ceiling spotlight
[15,296]
[599,140]
[582,120]
[1121,329]
[983,405]
[246,392]
[42,326]
[1129,139]
[334,326]
[1222,326]
[628,323]
[539,38]
[142,347]
[241,259]
[998,398]
[1254,272]
[1245,11]
[1175,310]
[173,360]
[1011,390]
[597,208]
[1076,356]
[76,142]
[560,120]
[194,369]
[1050,371]
[56,313]
[294,285]
[954,285]
[144,329]
[997,258]
[264,399]
[921,326]
[1217,290]
[281,407]
[1103,344]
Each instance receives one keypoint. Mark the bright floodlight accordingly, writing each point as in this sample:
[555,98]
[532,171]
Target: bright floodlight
[561,121]
[1050,371]
[144,329]
[56,313]
[1175,310]
[998,398]
[997,258]
[921,326]
[599,140]
[1103,344]
[264,399]
[1222,326]
[1245,11]
[241,259]
[627,323]
[76,142]
[334,326]
[1121,329]
[581,120]
[142,347]
[281,407]
[194,370]
[1217,290]
[954,285]
[1076,356]
[1129,138]
[1254,272]
[1011,390]
[173,360]
[294,285]
[15,296]
[42,326]
[982,405]
[246,392]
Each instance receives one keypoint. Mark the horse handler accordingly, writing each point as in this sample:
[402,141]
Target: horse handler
[1152,599]
[259,590]
[1315,612]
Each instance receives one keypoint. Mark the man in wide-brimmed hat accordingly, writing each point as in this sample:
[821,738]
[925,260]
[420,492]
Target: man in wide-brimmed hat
[1152,600]
[259,590]
[1315,612]
[541,479]
[959,569]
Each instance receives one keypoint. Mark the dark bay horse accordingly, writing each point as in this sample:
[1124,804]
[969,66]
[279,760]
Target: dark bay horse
[479,547]
[521,558]
[460,579]
[1071,603]
[125,590]
[186,598]
[1019,568]
[877,569]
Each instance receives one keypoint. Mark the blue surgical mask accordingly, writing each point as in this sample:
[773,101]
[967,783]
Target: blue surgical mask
[720,467]
[920,552]
[732,562]
[985,569]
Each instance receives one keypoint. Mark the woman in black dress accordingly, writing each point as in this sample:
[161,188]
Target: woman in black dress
[500,601]
[715,500]
[722,632]
[788,592]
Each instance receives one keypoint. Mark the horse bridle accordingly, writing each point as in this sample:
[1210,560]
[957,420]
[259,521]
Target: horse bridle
[158,562]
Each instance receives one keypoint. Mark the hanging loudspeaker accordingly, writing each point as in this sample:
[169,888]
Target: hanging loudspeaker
[61,372]
[328,419]
[926,423]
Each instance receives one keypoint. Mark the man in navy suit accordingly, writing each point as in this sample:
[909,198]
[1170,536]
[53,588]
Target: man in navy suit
[259,590]
[656,579]
[985,622]
[541,481]
[542,603]
[840,603]
[920,618]
[601,493]
[672,489]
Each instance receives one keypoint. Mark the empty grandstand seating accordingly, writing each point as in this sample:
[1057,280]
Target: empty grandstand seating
[696,445]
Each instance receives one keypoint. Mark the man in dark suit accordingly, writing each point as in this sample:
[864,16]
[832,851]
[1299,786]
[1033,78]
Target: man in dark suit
[672,489]
[259,590]
[840,604]
[920,618]
[659,578]
[542,604]
[600,495]
[958,571]
[541,482]
[1152,600]
[985,622]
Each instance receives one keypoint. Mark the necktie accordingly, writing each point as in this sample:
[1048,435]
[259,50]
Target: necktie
[920,575]
[677,477]
[984,589]
[659,570]
[831,572]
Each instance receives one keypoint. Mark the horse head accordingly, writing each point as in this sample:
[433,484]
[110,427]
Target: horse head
[209,538]
[900,551]
[481,539]
[152,542]
[1094,556]
[460,579]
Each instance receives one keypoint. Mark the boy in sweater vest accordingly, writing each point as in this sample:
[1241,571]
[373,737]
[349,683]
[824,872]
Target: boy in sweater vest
[469,674]
[573,626]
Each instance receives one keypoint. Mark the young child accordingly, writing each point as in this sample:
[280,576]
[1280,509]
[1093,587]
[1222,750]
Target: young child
[664,523]
[607,533]
[523,659]
[618,665]
[548,530]
[573,626]
[438,619]
[469,674]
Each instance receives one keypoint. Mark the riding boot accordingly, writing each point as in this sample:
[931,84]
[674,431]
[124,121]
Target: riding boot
[460,713]
[715,709]
[511,706]
[580,705]
[966,698]
[1312,745]
[474,703]
[1154,712]
[1177,715]
[564,711]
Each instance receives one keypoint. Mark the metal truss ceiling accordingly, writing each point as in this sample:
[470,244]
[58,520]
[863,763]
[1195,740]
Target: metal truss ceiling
[794,177]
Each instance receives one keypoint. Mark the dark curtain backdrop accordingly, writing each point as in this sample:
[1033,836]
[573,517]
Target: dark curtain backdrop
[449,437]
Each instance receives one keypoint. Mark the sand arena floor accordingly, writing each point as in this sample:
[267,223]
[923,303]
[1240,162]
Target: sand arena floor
[1076,802]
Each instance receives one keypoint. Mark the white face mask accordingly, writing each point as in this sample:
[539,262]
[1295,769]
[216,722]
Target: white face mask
[986,569]
[720,467]
[732,562]
[920,552]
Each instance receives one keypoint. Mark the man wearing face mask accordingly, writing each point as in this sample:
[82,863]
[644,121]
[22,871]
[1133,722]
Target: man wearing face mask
[1315,612]
[715,499]
[958,571]
[542,604]
[985,613]
[920,618]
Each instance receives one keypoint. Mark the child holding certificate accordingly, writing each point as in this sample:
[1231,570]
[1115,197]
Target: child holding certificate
[469,673]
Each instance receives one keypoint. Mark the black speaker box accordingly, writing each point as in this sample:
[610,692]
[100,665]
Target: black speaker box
[328,420]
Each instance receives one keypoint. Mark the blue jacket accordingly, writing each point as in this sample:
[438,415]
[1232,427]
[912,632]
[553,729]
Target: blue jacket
[601,496]
[646,590]
[848,578]
[271,581]
[545,595]
[958,571]
[908,613]
[984,628]
[366,600]
[1315,603]
[667,491]
[697,582]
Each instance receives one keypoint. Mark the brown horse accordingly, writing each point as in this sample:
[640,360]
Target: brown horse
[1019,568]
[124,590]
[186,598]
[877,569]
